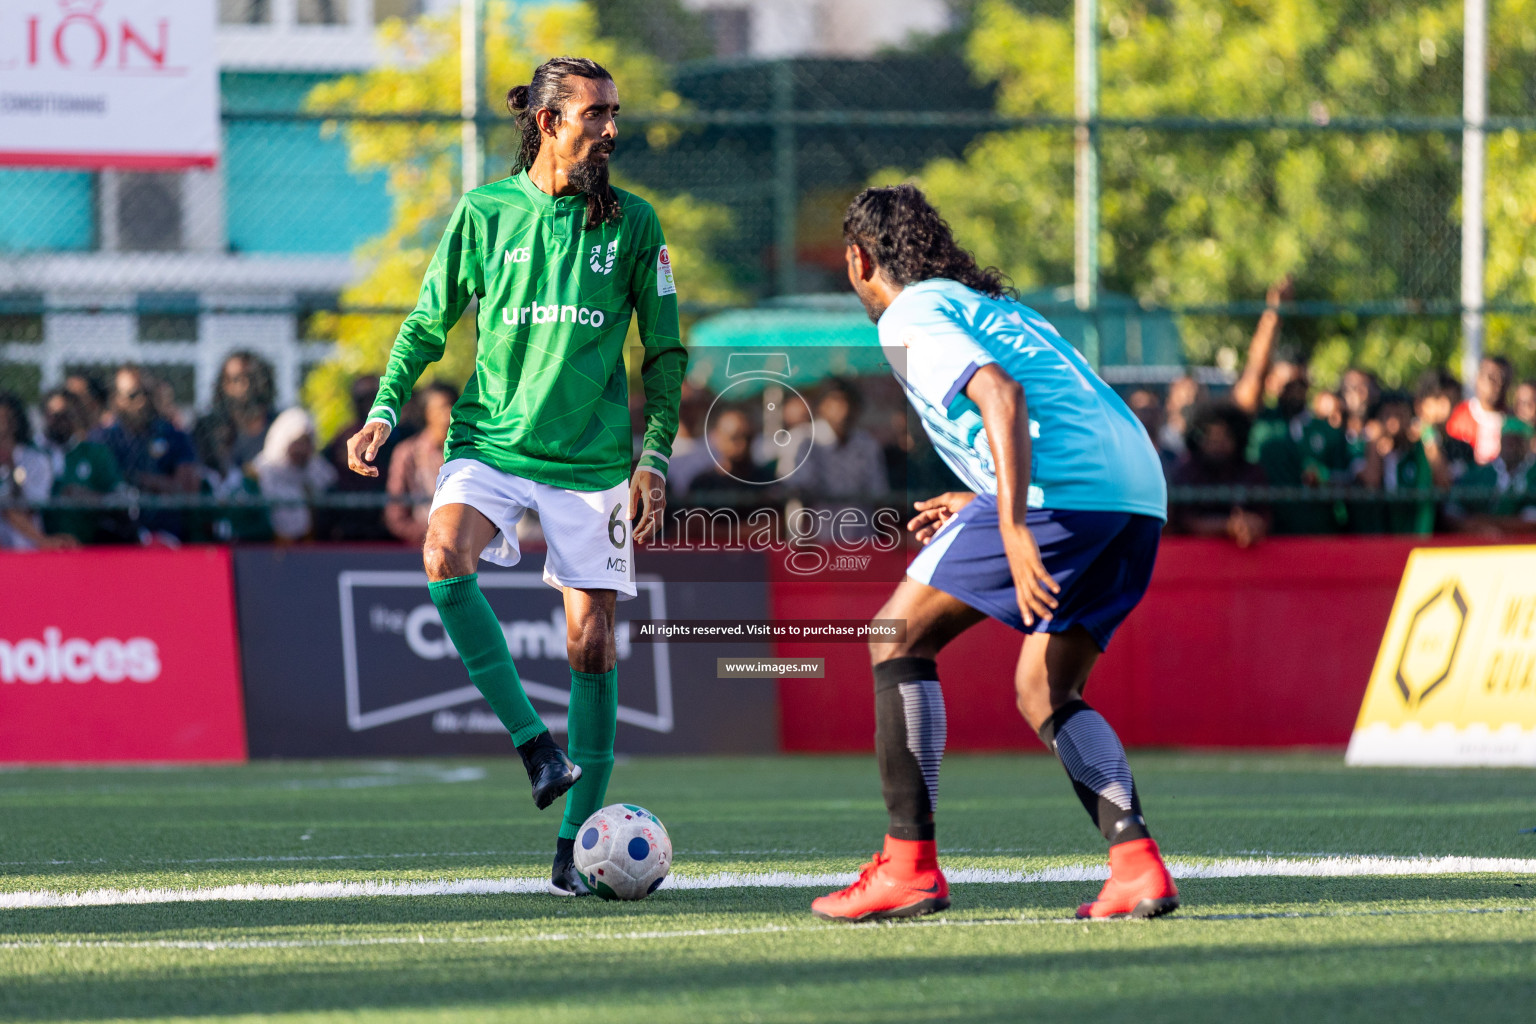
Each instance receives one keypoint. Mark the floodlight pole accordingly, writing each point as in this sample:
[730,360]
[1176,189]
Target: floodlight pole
[471,89]
[1085,201]
[1474,112]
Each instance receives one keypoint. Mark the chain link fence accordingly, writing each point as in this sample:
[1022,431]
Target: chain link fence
[1235,145]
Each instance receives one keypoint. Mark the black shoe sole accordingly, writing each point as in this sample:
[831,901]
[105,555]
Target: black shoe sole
[1156,908]
[917,909]
[1145,910]
[542,798]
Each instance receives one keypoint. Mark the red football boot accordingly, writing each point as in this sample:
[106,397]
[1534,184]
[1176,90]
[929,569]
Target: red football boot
[902,881]
[1139,884]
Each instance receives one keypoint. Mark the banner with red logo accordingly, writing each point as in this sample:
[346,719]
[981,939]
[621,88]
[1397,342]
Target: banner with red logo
[108,83]
[119,655]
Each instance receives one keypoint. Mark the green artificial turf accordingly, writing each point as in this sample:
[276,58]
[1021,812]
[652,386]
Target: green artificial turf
[1242,949]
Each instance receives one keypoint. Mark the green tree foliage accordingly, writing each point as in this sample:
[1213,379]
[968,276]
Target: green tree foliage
[666,28]
[1211,217]
[421,161]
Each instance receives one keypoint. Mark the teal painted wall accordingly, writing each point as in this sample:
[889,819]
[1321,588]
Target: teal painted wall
[289,189]
[44,210]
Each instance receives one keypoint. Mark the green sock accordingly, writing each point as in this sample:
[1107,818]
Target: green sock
[482,646]
[594,711]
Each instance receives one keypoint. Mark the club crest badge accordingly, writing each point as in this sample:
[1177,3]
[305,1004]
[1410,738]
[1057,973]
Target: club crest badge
[602,262]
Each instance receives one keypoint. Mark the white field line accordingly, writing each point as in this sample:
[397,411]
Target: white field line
[216,945]
[1325,867]
[313,858]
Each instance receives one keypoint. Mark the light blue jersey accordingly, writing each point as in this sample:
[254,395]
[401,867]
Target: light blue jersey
[1088,452]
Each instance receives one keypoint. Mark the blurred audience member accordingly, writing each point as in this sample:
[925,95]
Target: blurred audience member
[1328,408]
[290,470]
[1524,405]
[152,455]
[25,479]
[732,467]
[1266,372]
[1293,447]
[1296,449]
[82,471]
[1358,393]
[162,396]
[915,468]
[1184,394]
[244,398]
[692,406]
[1218,434]
[1438,393]
[847,462]
[359,523]
[1286,415]
[1148,408]
[1396,460]
[241,517]
[1479,420]
[690,452]
[93,396]
[1507,502]
[788,445]
[414,465]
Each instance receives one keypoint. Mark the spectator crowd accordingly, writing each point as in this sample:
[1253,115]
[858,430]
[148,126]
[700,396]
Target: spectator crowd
[1356,459]
[117,461]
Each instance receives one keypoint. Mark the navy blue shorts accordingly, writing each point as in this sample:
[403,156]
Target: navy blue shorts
[1102,561]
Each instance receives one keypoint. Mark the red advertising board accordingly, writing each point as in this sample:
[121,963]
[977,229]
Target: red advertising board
[119,655]
[1266,647]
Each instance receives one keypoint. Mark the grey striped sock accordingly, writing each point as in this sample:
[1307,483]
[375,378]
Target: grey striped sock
[1095,762]
[909,743]
[923,705]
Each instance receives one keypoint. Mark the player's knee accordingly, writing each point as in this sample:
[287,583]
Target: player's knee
[588,640]
[1031,695]
[443,561]
[1037,700]
[885,650]
[915,644]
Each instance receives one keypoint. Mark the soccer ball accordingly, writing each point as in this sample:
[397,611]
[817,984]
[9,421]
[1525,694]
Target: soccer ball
[623,852]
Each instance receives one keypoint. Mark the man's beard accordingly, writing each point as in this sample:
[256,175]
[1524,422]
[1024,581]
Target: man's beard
[591,174]
[872,306]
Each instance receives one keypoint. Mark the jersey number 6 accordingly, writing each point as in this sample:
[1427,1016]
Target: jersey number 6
[616,527]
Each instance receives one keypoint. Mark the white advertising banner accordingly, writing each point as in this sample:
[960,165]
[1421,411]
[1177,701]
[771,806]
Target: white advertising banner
[131,84]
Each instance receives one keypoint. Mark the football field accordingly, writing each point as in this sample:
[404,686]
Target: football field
[412,891]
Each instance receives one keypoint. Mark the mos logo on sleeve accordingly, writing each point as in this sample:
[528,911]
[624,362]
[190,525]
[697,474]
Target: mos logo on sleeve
[664,283]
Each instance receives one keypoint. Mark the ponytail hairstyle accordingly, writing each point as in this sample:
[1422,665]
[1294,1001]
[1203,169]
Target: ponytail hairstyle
[549,90]
[908,240]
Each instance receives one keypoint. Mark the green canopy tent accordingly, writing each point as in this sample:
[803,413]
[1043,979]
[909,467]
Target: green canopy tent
[803,340]
[799,342]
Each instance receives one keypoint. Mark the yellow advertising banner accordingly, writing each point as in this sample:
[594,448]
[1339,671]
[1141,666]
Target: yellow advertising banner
[1455,680]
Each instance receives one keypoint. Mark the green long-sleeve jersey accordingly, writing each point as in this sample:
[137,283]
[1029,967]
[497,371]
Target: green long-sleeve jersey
[549,399]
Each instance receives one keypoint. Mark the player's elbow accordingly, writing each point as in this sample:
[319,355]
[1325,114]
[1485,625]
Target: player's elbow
[993,389]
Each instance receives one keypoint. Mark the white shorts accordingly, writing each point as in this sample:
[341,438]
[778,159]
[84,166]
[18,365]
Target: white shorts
[588,532]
